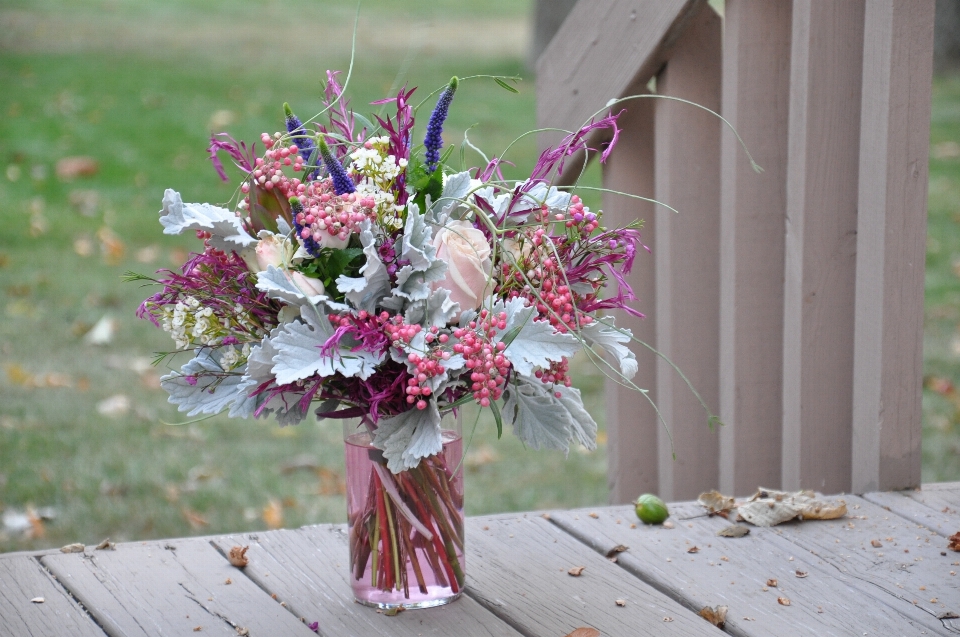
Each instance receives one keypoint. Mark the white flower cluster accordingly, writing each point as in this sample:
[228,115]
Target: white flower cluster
[233,356]
[190,324]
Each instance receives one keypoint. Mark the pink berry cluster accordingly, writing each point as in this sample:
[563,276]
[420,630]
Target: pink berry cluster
[324,211]
[428,365]
[485,359]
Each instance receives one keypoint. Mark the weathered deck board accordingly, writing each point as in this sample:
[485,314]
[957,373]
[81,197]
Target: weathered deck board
[940,511]
[518,565]
[911,565]
[23,579]
[660,556]
[307,570]
[147,589]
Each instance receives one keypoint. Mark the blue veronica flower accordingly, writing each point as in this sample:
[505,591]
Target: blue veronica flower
[433,141]
[342,184]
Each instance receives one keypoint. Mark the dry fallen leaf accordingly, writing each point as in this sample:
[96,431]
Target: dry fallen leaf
[37,600]
[576,570]
[621,602]
[953,542]
[876,544]
[716,501]
[238,556]
[72,548]
[801,574]
[948,615]
[273,514]
[716,616]
[668,619]
[772,583]
[197,629]
[619,548]
[737,530]
[228,581]
[106,545]
[585,631]
[693,549]
[783,601]
[593,515]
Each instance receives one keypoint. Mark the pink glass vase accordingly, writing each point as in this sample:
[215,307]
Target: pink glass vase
[406,529]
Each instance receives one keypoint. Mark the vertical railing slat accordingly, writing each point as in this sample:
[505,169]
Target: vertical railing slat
[888,358]
[686,250]
[631,421]
[756,86]
[820,248]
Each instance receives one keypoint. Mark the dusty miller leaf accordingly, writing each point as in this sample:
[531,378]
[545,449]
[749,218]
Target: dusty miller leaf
[278,285]
[228,233]
[298,352]
[365,292]
[214,390]
[408,437]
[611,339]
[537,344]
[541,420]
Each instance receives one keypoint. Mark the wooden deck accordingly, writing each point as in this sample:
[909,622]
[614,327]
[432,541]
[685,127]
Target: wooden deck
[883,570]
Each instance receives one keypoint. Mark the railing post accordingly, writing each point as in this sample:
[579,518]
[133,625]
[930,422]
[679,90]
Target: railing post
[891,244]
[632,424]
[687,252]
[821,240]
[756,87]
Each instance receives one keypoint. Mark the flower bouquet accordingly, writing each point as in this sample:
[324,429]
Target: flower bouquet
[359,276]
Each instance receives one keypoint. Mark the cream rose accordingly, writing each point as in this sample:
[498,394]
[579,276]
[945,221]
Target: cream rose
[308,285]
[467,255]
[272,249]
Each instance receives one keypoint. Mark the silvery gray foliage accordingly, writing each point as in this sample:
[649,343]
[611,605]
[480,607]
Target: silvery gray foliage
[543,421]
[298,345]
[408,437]
[278,285]
[258,371]
[455,190]
[414,284]
[365,292]
[416,245]
[214,390]
[610,338]
[228,233]
[437,310]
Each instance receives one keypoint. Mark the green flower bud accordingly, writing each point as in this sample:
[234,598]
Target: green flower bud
[651,509]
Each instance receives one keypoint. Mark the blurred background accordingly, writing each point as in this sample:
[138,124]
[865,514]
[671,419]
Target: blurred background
[105,103]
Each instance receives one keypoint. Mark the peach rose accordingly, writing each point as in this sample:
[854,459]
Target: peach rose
[467,255]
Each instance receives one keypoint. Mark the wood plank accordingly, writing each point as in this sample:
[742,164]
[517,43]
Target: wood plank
[687,254]
[926,507]
[170,588]
[820,247]
[631,420]
[756,89]
[518,567]
[577,74]
[824,599]
[308,570]
[910,567]
[891,244]
[23,579]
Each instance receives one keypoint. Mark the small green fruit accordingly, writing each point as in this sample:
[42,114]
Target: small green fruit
[651,509]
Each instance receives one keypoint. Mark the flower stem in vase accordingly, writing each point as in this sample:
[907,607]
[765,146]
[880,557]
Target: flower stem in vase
[405,527]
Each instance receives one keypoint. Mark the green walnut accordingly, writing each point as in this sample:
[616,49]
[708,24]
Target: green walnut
[651,509]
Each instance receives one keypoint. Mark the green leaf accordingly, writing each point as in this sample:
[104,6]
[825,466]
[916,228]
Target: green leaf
[504,85]
[496,415]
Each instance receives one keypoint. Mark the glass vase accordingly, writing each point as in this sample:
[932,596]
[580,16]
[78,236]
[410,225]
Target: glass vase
[405,529]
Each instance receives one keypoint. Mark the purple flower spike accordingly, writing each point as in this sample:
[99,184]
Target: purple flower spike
[301,139]
[433,141]
[311,244]
[342,184]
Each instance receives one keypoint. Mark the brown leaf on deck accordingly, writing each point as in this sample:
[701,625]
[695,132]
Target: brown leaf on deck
[716,616]
[736,530]
[37,600]
[621,602]
[576,571]
[876,544]
[619,548]
[953,542]
[772,583]
[948,615]
[593,515]
[72,548]
[585,631]
[106,545]
[716,501]
[783,601]
[693,549]
[238,556]
[801,574]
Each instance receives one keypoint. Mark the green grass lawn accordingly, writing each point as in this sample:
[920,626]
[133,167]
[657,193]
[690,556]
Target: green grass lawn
[139,85]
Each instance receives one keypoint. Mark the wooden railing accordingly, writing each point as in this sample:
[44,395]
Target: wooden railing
[793,298]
